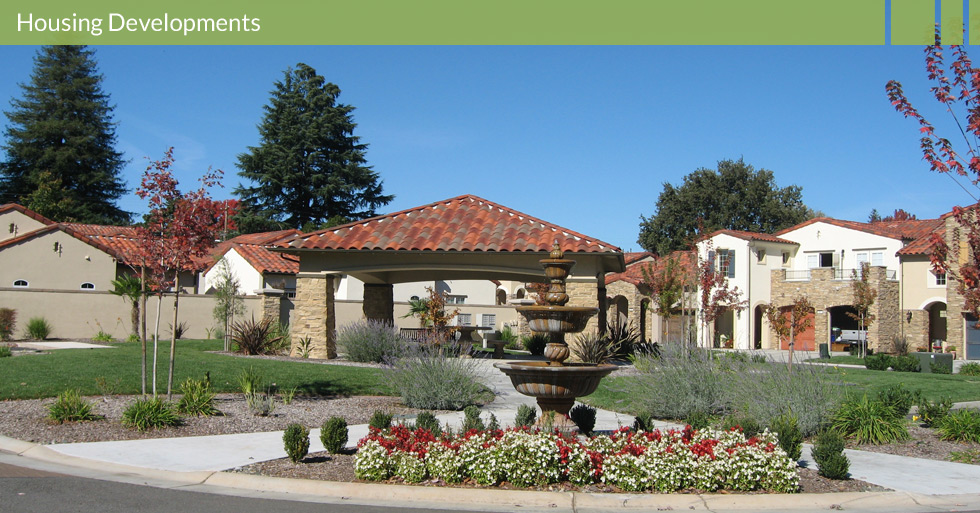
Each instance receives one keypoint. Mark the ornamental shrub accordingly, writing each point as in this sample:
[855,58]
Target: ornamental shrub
[431,379]
[940,368]
[70,407]
[333,434]
[905,363]
[380,420]
[296,441]
[8,321]
[970,369]
[828,453]
[583,416]
[149,413]
[878,362]
[748,425]
[790,437]
[471,419]
[535,343]
[6,352]
[931,413]
[899,398]
[698,420]
[372,341]
[960,425]
[526,415]
[686,380]
[197,398]
[869,421]
[38,328]
[426,420]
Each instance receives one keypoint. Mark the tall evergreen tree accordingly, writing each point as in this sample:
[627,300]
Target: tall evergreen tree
[60,140]
[309,168]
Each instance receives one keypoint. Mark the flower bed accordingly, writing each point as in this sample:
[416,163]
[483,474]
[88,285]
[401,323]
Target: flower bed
[707,460]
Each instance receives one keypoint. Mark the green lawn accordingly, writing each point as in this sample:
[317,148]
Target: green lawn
[847,360]
[612,395]
[47,375]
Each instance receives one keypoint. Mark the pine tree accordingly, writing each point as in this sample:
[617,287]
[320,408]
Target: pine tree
[309,168]
[61,138]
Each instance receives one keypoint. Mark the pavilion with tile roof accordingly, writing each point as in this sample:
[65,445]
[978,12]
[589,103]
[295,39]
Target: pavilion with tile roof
[466,237]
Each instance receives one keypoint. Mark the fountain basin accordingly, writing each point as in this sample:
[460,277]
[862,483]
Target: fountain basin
[557,319]
[555,387]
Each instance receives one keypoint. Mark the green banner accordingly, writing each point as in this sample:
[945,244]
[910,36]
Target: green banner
[472,22]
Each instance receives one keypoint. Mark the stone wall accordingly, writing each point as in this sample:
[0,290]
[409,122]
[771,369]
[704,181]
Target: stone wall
[825,292]
[916,329]
[634,311]
[586,293]
[314,315]
[955,334]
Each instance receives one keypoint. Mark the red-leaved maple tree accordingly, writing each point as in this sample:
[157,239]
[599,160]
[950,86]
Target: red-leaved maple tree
[181,229]
[956,85]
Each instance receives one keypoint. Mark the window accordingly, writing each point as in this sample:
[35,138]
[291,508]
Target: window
[413,298]
[21,284]
[826,259]
[455,300]
[814,260]
[464,319]
[940,279]
[861,258]
[87,286]
[760,256]
[877,258]
[726,262]
[785,258]
[488,320]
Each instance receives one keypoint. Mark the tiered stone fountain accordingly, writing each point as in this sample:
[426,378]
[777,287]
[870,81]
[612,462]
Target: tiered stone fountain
[555,384]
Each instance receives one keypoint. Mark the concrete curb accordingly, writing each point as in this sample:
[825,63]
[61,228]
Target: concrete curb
[488,499]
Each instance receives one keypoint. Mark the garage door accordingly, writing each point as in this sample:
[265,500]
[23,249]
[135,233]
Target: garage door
[972,339]
[801,341]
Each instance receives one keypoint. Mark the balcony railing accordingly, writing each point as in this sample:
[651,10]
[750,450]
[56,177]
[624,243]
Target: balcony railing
[797,275]
[850,274]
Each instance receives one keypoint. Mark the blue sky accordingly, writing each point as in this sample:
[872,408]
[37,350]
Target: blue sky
[580,136]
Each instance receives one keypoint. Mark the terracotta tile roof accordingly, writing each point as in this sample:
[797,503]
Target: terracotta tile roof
[764,237]
[922,245]
[636,256]
[102,230]
[903,230]
[264,238]
[26,211]
[634,272]
[266,261]
[463,223]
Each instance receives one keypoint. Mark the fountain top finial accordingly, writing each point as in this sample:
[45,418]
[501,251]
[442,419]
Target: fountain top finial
[556,252]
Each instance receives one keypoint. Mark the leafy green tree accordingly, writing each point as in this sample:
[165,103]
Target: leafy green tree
[310,168]
[227,302]
[735,196]
[60,155]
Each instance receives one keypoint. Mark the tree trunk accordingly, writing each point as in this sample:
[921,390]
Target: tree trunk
[156,339]
[173,341]
[143,332]
[792,344]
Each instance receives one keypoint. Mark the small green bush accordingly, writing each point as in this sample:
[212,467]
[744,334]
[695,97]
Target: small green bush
[133,338]
[526,415]
[471,419]
[878,362]
[296,441]
[380,420]
[906,363]
[8,321]
[583,416]
[932,412]
[828,453]
[899,398]
[960,425]
[249,381]
[509,337]
[333,434]
[535,343]
[434,379]
[149,413]
[970,369]
[747,424]
[426,420]
[642,423]
[493,424]
[38,328]
[6,352]
[288,395]
[790,436]
[197,398]
[869,421]
[102,336]
[261,404]
[939,368]
[254,337]
[70,407]
[698,420]
[372,341]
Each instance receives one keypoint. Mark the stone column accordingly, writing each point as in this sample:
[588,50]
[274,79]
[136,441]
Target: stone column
[886,309]
[271,303]
[955,322]
[379,303]
[314,315]
[587,293]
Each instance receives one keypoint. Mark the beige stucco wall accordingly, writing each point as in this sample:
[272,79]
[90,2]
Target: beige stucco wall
[78,314]
[75,262]
[14,224]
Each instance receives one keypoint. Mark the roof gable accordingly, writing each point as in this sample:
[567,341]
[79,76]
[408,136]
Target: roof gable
[634,272]
[13,207]
[753,236]
[902,230]
[463,223]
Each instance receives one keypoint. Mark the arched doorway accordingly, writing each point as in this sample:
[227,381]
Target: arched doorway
[644,320]
[757,327]
[937,321]
[501,297]
[724,335]
[619,310]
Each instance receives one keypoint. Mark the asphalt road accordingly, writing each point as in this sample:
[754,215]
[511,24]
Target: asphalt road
[25,490]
